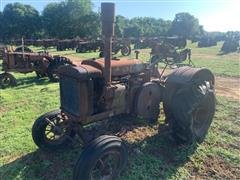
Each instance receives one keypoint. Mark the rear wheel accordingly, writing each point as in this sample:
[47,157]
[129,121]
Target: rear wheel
[51,132]
[54,65]
[104,158]
[126,50]
[7,80]
[191,112]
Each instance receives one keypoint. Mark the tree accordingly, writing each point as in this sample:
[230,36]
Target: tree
[185,25]
[89,26]
[54,20]
[1,26]
[120,24]
[65,19]
[20,21]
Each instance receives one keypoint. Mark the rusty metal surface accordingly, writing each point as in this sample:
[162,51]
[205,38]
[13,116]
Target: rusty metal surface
[83,72]
[186,75]
[108,20]
[120,67]
[147,101]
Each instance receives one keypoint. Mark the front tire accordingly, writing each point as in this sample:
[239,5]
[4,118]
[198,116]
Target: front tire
[50,132]
[104,158]
[7,80]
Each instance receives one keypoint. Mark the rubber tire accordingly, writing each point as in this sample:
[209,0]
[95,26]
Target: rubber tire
[182,113]
[101,54]
[26,49]
[54,65]
[13,81]
[38,133]
[124,53]
[93,152]
[40,74]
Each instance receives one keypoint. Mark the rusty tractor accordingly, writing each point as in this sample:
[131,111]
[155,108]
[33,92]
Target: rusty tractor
[100,89]
[88,46]
[117,46]
[171,55]
[62,45]
[42,63]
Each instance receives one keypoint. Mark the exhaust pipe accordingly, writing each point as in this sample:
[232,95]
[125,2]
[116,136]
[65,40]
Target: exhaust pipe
[108,20]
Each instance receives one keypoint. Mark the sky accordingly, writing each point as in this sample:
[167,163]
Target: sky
[214,15]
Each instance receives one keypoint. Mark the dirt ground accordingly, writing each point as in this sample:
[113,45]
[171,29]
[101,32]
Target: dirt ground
[228,87]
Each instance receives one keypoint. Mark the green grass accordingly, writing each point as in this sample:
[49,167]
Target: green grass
[160,158]
[155,156]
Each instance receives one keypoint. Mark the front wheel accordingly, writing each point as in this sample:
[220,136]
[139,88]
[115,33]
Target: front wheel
[192,112]
[7,80]
[51,131]
[104,158]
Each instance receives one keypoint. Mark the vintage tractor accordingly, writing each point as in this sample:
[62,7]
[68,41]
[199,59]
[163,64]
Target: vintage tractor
[88,46]
[171,55]
[62,45]
[117,46]
[100,89]
[42,63]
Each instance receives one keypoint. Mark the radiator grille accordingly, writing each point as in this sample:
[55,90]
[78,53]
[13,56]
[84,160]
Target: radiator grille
[70,95]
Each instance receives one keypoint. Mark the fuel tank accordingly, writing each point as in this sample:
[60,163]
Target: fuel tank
[119,67]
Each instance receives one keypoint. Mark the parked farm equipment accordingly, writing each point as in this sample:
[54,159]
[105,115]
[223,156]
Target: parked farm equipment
[42,63]
[118,46]
[99,89]
[170,55]
[142,43]
[88,46]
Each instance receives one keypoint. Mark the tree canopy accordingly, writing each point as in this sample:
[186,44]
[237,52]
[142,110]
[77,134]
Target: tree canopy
[76,18]
[185,25]
[19,20]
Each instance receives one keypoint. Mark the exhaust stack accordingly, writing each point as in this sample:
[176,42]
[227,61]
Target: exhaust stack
[108,20]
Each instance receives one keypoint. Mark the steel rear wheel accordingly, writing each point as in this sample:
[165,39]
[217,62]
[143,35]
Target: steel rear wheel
[104,158]
[51,131]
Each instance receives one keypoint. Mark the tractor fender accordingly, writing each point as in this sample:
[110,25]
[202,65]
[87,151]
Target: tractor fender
[187,76]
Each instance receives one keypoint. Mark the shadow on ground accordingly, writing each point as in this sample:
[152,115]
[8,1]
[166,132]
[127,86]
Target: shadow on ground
[155,157]
[26,82]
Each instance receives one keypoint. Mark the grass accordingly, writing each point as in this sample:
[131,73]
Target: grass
[152,153]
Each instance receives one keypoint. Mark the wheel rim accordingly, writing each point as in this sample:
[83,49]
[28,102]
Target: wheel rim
[107,167]
[55,76]
[56,130]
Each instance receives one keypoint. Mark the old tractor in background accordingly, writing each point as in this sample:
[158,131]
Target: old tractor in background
[88,46]
[100,89]
[42,63]
[118,46]
[65,44]
[175,41]
[171,54]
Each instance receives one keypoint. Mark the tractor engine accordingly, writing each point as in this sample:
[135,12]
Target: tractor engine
[83,88]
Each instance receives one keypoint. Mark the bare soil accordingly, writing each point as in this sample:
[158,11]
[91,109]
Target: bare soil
[228,87]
